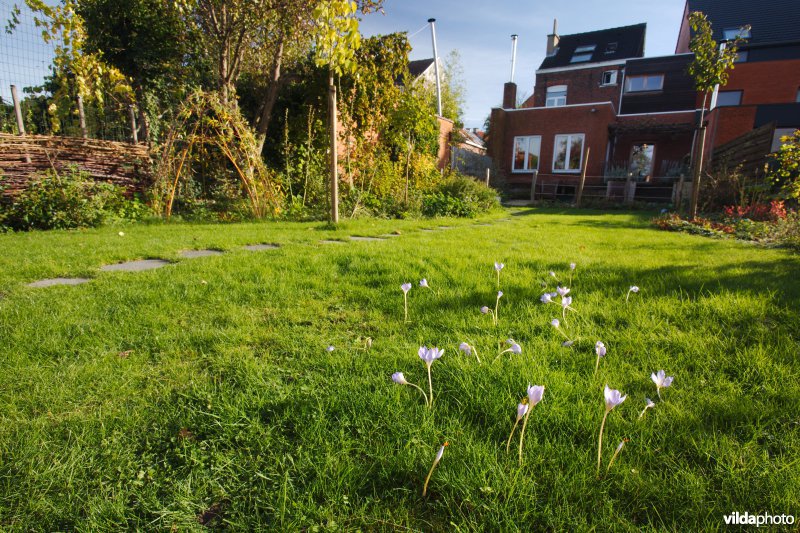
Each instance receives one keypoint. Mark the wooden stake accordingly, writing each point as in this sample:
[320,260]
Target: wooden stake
[18,112]
[533,185]
[334,174]
[698,168]
[82,118]
[583,179]
[134,127]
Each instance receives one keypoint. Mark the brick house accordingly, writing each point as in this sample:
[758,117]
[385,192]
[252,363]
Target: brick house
[764,86]
[637,116]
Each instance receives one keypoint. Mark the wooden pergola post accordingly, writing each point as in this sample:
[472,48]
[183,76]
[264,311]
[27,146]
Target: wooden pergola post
[583,179]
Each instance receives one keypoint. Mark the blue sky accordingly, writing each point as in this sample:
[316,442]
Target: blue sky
[481,31]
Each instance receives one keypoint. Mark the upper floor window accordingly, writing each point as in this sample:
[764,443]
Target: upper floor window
[797,99]
[649,82]
[729,98]
[556,96]
[611,48]
[526,153]
[568,153]
[583,53]
[609,78]
[731,34]
[741,56]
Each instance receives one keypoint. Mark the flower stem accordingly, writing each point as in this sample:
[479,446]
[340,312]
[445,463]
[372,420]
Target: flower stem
[427,479]
[423,393]
[496,305]
[600,442]
[476,354]
[430,387]
[627,296]
[405,306]
[508,444]
[597,364]
[522,433]
[613,457]
[501,353]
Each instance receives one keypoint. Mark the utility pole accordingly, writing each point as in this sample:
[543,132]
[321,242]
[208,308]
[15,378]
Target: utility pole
[436,67]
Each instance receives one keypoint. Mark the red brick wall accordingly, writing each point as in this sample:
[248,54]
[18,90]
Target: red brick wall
[727,123]
[583,86]
[549,122]
[766,82]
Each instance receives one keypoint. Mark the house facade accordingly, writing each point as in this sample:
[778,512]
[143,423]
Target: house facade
[599,104]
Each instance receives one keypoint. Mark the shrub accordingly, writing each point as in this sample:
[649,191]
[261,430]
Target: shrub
[775,210]
[69,200]
[459,196]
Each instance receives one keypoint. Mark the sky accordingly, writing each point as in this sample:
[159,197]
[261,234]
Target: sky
[481,32]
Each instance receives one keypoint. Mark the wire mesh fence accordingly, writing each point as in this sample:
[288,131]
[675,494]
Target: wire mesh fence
[48,103]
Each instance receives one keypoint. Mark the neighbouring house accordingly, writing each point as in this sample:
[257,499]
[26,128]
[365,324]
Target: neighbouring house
[635,117]
[763,91]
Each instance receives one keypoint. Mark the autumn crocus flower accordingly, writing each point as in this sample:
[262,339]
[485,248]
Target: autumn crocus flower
[468,349]
[522,409]
[546,298]
[648,405]
[612,398]
[400,379]
[429,355]
[513,348]
[498,267]
[557,325]
[405,287]
[330,348]
[661,380]
[562,291]
[600,350]
[634,289]
[424,283]
[535,394]
[438,458]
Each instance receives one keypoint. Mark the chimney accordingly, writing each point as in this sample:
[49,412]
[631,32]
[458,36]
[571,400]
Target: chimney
[552,39]
[510,95]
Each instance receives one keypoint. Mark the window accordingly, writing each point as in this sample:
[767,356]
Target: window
[649,82]
[526,153]
[556,96]
[568,153]
[609,78]
[729,98]
[611,48]
[797,98]
[583,53]
[741,56]
[641,163]
[730,34]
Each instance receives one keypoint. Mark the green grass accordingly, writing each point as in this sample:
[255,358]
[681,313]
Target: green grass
[229,408]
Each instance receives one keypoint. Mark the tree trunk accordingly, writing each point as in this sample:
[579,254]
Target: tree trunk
[334,163]
[700,147]
[262,122]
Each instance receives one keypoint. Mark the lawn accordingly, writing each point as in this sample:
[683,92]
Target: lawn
[202,393]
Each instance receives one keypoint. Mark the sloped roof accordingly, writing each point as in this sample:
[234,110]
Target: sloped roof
[610,45]
[771,21]
[418,67]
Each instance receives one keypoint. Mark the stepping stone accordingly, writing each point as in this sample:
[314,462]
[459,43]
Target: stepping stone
[57,281]
[357,238]
[329,241]
[260,247]
[135,266]
[192,254]
[445,227]
[427,229]
[483,224]
[386,235]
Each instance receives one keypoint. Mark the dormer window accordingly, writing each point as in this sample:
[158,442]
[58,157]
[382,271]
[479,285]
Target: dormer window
[611,48]
[731,34]
[556,96]
[649,82]
[583,53]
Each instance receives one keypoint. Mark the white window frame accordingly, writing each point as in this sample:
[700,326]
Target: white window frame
[651,167]
[569,137]
[646,77]
[614,75]
[528,152]
[556,101]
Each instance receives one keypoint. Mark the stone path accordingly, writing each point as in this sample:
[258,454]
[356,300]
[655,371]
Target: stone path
[135,266]
[57,281]
[142,265]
